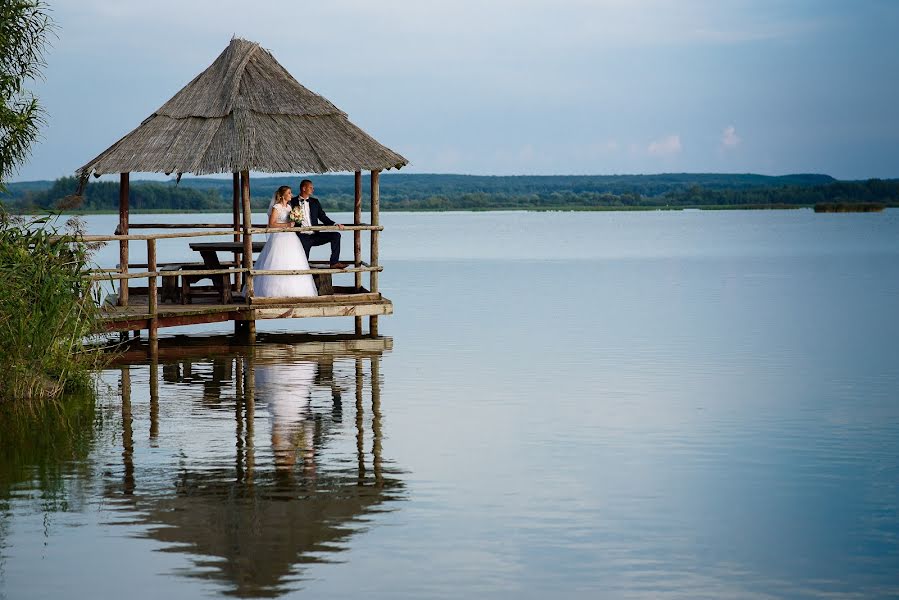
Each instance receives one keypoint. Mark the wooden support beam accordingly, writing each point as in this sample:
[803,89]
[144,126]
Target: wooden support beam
[236,221]
[357,240]
[153,333]
[123,230]
[247,248]
[357,220]
[247,237]
[375,236]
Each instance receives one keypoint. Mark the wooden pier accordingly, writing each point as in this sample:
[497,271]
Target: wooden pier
[220,123]
[230,297]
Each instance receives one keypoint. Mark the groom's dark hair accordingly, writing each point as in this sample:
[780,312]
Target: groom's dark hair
[304,182]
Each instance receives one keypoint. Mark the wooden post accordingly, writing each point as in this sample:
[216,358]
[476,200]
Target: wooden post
[123,244]
[375,220]
[236,214]
[247,245]
[153,334]
[357,240]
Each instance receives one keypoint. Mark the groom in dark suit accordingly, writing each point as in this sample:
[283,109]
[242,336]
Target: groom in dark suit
[313,214]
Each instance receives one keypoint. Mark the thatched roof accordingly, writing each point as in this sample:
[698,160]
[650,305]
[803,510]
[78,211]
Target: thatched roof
[245,112]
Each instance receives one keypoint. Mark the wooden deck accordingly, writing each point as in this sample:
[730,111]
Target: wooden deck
[137,314]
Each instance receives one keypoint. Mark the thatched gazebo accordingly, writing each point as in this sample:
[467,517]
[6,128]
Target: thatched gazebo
[245,113]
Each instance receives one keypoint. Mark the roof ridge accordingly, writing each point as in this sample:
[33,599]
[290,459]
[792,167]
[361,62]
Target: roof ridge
[238,75]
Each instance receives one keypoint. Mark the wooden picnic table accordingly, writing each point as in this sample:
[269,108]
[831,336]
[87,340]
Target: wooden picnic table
[208,249]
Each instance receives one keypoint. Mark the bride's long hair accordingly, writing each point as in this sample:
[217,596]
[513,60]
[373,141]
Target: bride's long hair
[279,193]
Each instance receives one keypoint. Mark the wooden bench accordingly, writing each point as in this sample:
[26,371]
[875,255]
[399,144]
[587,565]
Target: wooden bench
[171,282]
[171,289]
[323,281]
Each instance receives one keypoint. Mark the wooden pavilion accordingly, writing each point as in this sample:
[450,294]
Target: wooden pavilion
[244,113]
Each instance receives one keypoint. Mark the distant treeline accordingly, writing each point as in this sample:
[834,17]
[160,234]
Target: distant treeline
[414,192]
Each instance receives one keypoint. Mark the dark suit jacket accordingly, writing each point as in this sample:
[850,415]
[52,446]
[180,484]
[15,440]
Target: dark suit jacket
[316,212]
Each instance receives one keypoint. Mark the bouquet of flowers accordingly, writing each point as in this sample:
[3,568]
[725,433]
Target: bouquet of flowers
[297,216]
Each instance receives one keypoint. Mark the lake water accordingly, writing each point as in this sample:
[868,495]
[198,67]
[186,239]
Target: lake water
[566,405]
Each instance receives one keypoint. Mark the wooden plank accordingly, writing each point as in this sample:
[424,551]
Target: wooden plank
[123,230]
[339,298]
[216,313]
[247,236]
[375,220]
[227,226]
[235,196]
[153,329]
[357,219]
[107,276]
[314,271]
[249,326]
[218,232]
[375,241]
[385,307]
[145,274]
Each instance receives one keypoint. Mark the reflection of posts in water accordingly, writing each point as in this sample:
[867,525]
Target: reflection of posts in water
[325,376]
[250,411]
[154,401]
[360,429]
[376,418]
[127,432]
[257,530]
[238,418]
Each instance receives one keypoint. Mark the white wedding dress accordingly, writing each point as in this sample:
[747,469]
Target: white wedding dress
[283,252]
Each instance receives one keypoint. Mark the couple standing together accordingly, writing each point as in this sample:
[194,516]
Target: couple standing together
[289,250]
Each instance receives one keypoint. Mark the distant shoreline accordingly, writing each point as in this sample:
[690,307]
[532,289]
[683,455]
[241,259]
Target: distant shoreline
[445,193]
[469,210]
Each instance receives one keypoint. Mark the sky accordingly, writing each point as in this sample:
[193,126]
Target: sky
[509,87]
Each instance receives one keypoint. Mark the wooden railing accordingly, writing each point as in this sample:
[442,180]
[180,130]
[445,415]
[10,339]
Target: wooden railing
[152,271]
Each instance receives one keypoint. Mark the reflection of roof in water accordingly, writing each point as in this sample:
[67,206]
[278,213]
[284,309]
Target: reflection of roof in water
[250,536]
[250,525]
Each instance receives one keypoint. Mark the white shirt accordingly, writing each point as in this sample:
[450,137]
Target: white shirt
[307,220]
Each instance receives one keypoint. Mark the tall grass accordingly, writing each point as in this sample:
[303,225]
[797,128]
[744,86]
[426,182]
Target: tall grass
[47,309]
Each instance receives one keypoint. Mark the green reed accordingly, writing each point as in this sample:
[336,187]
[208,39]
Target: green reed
[48,309]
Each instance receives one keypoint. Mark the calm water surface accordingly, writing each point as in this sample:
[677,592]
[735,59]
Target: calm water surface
[612,405]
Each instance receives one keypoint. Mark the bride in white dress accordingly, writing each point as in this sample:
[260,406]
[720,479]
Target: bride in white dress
[282,252]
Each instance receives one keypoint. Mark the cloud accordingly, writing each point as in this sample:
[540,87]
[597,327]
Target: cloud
[729,138]
[666,146]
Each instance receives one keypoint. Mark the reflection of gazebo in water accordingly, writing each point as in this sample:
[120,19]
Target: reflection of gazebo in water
[249,519]
[244,113]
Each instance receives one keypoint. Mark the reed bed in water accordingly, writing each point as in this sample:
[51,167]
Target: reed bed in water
[48,309]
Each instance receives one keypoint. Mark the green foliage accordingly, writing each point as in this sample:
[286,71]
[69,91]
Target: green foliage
[24,26]
[47,309]
[104,195]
